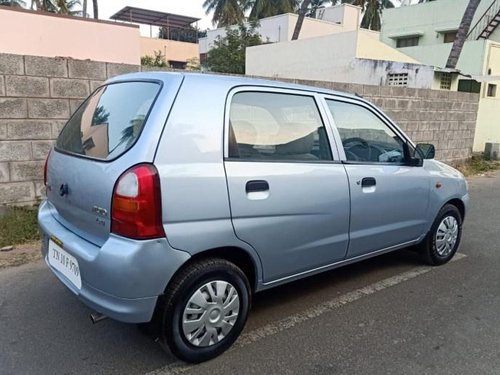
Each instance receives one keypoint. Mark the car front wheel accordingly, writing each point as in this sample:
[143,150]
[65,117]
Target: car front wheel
[443,239]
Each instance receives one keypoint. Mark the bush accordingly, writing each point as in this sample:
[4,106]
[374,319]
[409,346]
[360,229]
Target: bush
[158,60]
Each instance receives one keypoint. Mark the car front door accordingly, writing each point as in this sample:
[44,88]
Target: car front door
[389,197]
[288,191]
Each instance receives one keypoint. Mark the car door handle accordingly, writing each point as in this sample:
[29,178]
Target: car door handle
[368,182]
[256,186]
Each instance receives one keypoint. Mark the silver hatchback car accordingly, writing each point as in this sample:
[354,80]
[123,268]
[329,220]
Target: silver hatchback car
[172,198]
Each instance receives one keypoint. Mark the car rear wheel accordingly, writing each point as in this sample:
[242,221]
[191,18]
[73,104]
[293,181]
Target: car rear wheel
[206,307]
[443,239]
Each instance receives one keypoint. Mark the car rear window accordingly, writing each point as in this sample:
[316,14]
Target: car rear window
[109,122]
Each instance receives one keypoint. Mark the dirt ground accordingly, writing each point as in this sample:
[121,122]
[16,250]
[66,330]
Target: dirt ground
[20,254]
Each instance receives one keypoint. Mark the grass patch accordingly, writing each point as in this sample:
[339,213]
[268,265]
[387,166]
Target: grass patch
[478,165]
[18,225]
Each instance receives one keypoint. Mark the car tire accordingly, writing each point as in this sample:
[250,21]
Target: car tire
[205,309]
[443,239]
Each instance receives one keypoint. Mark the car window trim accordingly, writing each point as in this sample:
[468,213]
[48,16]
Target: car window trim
[74,154]
[406,141]
[286,91]
[249,160]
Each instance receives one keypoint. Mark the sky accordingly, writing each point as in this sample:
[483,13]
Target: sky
[193,8]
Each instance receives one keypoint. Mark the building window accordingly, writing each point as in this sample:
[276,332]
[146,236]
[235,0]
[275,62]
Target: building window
[469,85]
[397,79]
[445,81]
[407,42]
[492,90]
[450,37]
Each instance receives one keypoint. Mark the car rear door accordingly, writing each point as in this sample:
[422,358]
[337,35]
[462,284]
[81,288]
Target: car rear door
[289,193]
[114,129]
[389,198]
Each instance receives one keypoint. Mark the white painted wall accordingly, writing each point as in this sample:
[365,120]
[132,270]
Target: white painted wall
[347,15]
[471,60]
[334,58]
[488,122]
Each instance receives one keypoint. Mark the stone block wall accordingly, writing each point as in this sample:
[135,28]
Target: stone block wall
[38,94]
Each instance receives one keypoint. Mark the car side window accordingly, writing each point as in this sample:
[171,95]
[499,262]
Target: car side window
[365,137]
[276,127]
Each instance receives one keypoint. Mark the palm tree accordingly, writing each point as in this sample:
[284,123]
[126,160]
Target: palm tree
[67,7]
[95,8]
[13,3]
[372,10]
[269,8]
[302,14]
[47,6]
[226,12]
[463,30]
[315,5]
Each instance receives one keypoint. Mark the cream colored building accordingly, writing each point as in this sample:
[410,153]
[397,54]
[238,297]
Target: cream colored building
[426,32]
[343,52]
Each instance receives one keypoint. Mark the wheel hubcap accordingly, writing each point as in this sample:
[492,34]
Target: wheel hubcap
[446,236]
[210,313]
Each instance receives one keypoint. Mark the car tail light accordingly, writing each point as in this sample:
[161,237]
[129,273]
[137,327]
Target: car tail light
[136,204]
[45,169]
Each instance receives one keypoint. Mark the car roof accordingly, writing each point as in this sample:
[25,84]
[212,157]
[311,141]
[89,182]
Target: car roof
[230,81]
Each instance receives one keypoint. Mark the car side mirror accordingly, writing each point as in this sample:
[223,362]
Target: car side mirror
[425,151]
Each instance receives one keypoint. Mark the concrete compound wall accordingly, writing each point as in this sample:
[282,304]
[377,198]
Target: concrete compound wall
[38,94]
[26,32]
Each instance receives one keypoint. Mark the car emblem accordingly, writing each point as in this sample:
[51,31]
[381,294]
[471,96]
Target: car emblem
[100,211]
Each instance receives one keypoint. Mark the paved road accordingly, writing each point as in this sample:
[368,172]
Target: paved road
[389,315]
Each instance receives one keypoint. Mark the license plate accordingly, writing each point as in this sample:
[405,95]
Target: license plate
[64,263]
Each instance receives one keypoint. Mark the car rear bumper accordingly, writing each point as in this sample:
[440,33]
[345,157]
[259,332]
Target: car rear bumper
[123,278]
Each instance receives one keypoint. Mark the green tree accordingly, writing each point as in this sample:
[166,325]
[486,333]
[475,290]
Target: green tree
[463,30]
[228,55]
[158,60]
[13,3]
[268,8]
[193,64]
[67,7]
[226,12]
